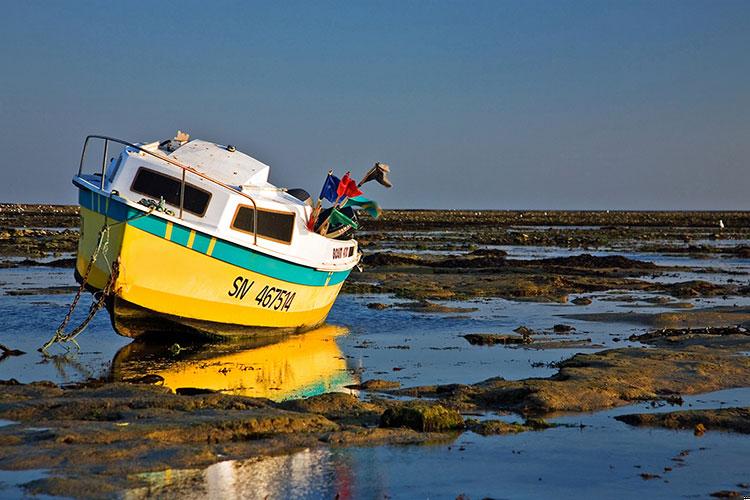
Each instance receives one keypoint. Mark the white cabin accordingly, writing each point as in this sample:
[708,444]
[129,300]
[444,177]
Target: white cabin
[226,211]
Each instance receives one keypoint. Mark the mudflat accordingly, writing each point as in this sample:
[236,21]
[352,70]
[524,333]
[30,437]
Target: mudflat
[612,310]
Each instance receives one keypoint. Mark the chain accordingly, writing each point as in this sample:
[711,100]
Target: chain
[60,336]
[102,245]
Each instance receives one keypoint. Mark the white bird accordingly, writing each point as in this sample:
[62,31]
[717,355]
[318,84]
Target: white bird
[721,224]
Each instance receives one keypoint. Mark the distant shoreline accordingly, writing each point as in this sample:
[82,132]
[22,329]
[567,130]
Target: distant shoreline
[54,215]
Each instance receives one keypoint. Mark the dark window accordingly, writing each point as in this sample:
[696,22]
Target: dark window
[158,185]
[276,226]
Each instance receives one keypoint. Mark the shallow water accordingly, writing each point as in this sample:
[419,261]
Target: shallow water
[603,458]
[595,457]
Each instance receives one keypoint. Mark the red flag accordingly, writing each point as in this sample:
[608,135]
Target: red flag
[348,187]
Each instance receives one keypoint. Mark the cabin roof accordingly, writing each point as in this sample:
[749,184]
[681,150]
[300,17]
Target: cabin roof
[216,161]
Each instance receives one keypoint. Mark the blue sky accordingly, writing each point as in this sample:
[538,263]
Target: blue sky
[527,104]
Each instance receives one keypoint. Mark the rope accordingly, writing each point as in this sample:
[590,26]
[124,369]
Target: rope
[102,245]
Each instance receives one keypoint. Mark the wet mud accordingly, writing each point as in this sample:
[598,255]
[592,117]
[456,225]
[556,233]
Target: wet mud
[92,437]
[680,328]
[461,277]
[609,378]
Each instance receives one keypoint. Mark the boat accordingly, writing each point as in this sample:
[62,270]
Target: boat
[189,235]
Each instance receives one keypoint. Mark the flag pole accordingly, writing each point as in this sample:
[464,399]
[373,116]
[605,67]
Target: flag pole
[316,209]
[339,201]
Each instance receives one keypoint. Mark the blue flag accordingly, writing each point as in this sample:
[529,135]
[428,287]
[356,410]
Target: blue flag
[330,187]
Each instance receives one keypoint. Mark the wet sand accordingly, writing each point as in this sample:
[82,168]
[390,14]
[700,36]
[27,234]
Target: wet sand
[492,325]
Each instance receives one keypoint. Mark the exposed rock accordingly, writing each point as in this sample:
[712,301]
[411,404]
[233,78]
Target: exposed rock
[581,301]
[494,427]
[713,317]
[381,259]
[589,261]
[671,335]
[496,338]
[424,306]
[605,379]
[337,406]
[561,328]
[375,385]
[422,417]
[724,419]
[483,258]
[524,331]
[7,351]
[726,494]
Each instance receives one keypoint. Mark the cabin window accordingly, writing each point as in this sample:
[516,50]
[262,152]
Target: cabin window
[272,225]
[157,185]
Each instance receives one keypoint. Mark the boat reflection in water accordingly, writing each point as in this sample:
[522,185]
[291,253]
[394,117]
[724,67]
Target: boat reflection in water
[310,473]
[297,366]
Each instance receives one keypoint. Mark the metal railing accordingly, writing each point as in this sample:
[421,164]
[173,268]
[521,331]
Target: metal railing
[183,168]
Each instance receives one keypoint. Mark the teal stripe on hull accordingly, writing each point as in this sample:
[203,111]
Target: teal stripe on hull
[201,242]
[225,251]
[180,235]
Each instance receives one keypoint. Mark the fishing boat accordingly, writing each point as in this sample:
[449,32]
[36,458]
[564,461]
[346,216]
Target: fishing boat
[189,235]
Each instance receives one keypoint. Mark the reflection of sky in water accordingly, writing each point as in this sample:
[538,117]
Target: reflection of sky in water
[10,480]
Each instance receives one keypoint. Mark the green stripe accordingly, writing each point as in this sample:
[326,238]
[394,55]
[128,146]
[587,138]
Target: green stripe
[200,244]
[225,251]
[180,235]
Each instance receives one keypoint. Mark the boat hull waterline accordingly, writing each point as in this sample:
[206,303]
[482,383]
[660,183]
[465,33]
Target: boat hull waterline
[195,279]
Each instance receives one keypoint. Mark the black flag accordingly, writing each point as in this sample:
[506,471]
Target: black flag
[379,172]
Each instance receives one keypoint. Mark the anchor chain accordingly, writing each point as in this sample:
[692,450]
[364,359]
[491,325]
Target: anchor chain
[60,336]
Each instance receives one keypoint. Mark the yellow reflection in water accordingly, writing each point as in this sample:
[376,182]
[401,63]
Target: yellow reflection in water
[298,366]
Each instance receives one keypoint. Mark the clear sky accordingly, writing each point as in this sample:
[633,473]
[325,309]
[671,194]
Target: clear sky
[499,104]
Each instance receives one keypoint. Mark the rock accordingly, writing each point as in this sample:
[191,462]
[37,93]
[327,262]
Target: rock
[424,306]
[658,300]
[193,391]
[537,424]
[422,417]
[7,351]
[483,258]
[581,301]
[671,335]
[495,338]
[375,385]
[524,331]
[561,328]
[339,407]
[647,476]
[605,379]
[381,259]
[377,306]
[146,379]
[726,494]
[592,262]
[724,419]
[494,427]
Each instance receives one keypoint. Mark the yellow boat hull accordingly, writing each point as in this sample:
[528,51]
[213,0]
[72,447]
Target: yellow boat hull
[171,275]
